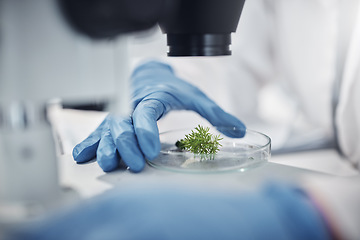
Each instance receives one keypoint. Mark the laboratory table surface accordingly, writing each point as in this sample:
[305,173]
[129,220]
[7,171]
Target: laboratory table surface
[89,180]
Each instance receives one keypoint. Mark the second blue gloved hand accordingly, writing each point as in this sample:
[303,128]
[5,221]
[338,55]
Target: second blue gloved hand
[277,211]
[156,91]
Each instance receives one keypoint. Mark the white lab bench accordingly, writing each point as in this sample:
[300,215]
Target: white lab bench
[88,179]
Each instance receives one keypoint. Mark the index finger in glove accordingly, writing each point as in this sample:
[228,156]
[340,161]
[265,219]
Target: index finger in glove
[145,117]
[86,150]
[126,143]
[225,122]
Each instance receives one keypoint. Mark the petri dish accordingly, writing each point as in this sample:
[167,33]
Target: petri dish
[235,154]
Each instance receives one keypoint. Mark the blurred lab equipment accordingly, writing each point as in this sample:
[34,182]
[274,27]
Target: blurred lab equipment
[204,29]
[71,50]
[193,28]
[41,59]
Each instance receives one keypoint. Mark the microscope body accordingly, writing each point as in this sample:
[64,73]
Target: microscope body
[42,58]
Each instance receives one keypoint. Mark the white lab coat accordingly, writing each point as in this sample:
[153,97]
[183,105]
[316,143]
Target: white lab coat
[311,49]
[348,110]
[287,58]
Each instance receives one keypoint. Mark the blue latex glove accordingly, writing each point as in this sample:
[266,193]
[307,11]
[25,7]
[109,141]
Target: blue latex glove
[277,212]
[156,91]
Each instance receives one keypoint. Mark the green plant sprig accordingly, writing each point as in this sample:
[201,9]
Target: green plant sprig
[201,142]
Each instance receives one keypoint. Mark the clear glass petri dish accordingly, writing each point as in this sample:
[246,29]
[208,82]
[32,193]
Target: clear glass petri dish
[235,154]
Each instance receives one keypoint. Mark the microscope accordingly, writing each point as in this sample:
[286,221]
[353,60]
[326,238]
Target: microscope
[76,51]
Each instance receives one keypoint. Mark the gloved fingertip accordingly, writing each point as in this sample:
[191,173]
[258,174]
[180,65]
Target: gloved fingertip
[75,152]
[107,158]
[136,168]
[233,132]
[239,128]
[129,152]
[149,143]
[151,155]
[136,165]
[228,124]
[223,121]
[135,161]
[81,154]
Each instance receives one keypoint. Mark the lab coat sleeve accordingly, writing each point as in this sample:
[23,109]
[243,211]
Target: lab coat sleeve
[338,200]
[348,110]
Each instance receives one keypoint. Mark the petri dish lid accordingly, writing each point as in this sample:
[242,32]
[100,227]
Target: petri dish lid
[235,154]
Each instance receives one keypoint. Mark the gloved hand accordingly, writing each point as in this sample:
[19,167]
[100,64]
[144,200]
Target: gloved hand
[277,212]
[156,91]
